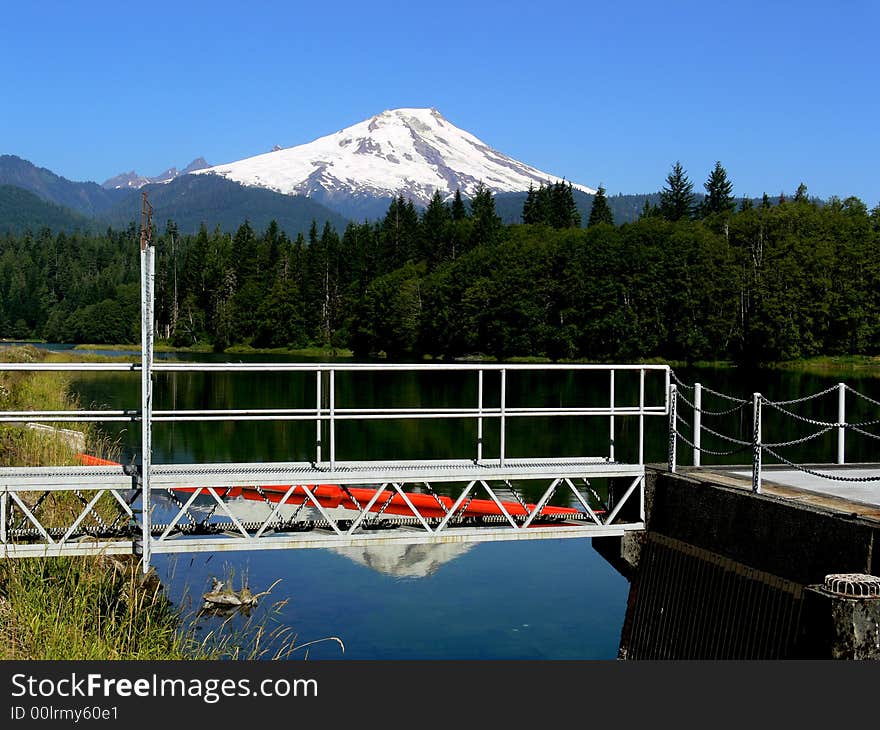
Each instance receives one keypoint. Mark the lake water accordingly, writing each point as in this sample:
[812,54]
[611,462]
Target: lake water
[548,599]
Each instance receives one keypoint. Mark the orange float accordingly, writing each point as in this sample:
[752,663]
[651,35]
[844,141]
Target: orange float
[334,496]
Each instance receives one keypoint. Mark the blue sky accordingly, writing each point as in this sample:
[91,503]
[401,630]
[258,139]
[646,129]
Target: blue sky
[611,93]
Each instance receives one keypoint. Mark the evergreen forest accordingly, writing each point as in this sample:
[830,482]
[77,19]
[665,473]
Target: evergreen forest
[703,277]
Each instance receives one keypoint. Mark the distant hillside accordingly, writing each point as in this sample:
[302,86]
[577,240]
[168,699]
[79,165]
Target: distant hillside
[625,208]
[191,200]
[21,210]
[87,198]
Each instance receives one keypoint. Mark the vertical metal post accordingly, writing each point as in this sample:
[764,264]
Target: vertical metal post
[641,416]
[642,442]
[480,417]
[673,431]
[698,419]
[503,407]
[332,418]
[4,498]
[611,422]
[756,447]
[318,419]
[841,420]
[147,301]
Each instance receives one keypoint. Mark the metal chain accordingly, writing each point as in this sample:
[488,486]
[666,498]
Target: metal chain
[516,495]
[707,412]
[123,514]
[822,474]
[726,438]
[384,505]
[863,433]
[352,498]
[24,519]
[265,497]
[467,503]
[678,380]
[436,498]
[801,440]
[862,395]
[282,523]
[681,419]
[813,421]
[804,399]
[704,450]
[725,396]
[215,506]
[177,503]
[101,524]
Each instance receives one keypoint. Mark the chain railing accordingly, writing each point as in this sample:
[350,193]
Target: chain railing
[756,441]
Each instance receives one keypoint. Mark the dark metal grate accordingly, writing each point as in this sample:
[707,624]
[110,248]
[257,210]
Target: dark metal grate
[853,585]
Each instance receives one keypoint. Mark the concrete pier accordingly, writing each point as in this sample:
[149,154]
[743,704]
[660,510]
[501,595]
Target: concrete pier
[724,573]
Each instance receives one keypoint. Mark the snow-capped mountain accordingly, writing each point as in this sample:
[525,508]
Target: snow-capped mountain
[132,180]
[408,152]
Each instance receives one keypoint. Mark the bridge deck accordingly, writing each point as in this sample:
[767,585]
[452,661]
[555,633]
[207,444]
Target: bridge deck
[352,472]
[343,472]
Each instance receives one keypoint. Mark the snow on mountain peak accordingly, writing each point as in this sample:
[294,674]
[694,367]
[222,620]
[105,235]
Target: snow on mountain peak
[412,152]
[134,181]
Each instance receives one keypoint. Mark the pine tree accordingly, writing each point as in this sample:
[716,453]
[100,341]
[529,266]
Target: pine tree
[677,198]
[574,215]
[566,211]
[765,201]
[459,212]
[528,211]
[600,212]
[487,224]
[800,195]
[543,206]
[434,229]
[746,204]
[648,210]
[719,189]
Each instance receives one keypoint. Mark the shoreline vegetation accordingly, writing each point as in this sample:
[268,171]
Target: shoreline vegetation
[860,365]
[99,607]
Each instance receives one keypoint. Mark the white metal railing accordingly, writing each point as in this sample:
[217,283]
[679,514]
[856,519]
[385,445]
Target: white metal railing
[327,409]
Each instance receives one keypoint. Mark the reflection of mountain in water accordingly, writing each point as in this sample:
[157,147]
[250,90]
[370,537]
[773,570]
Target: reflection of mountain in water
[404,561]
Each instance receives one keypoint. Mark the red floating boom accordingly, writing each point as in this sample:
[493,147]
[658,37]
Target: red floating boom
[356,498]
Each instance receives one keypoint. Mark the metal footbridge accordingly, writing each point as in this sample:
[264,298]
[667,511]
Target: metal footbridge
[151,508]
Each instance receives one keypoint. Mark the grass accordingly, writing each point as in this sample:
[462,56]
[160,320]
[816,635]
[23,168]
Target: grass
[834,365]
[301,351]
[86,608]
[233,350]
[99,607]
[104,608]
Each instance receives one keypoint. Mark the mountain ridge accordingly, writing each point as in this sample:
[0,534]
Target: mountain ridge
[133,181]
